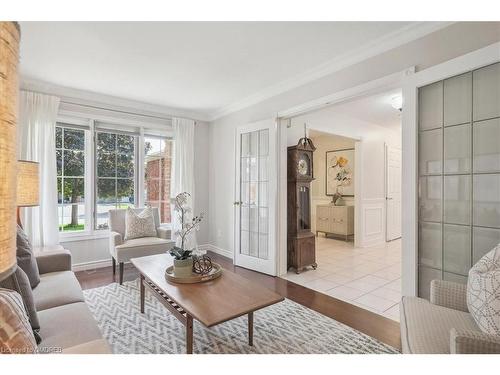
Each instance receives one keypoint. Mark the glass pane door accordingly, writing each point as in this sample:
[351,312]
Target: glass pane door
[254,210]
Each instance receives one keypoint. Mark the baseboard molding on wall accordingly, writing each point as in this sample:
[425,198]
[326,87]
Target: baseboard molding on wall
[91,265]
[217,250]
[107,262]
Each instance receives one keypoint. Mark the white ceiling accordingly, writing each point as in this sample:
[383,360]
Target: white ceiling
[202,67]
[375,109]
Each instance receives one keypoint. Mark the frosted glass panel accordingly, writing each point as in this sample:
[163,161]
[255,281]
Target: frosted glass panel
[457,149]
[487,146]
[254,143]
[425,276]
[457,249]
[455,278]
[430,198]
[263,175]
[263,246]
[245,169]
[430,152]
[487,92]
[484,240]
[254,219]
[430,245]
[457,199]
[430,109]
[458,99]
[254,244]
[263,220]
[245,144]
[487,200]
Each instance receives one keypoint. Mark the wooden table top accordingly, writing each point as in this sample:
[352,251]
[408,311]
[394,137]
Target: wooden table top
[211,302]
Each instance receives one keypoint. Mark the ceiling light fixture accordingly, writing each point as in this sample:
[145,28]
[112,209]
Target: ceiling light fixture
[397,102]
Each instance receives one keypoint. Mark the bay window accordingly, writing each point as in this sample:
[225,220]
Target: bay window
[100,168]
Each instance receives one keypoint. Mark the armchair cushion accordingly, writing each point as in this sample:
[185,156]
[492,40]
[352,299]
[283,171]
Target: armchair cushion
[449,294]
[473,342]
[425,328]
[483,292]
[140,247]
[53,260]
[138,225]
[164,233]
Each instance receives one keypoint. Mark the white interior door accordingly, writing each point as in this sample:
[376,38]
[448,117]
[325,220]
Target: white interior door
[393,193]
[255,197]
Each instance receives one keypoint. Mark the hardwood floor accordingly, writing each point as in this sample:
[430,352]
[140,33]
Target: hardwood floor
[383,329]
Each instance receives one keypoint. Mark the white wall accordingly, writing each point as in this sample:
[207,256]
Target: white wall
[430,50]
[96,251]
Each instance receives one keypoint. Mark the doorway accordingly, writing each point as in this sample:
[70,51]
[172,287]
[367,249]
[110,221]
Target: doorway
[358,245]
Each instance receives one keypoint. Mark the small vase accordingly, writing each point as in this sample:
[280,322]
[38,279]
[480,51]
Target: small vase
[183,267]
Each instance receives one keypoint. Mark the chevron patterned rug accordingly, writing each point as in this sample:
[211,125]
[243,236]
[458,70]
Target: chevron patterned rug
[286,327]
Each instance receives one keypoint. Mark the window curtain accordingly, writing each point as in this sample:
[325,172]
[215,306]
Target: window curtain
[36,142]
[183,173]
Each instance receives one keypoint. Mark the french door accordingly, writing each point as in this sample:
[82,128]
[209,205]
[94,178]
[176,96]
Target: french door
[255,197]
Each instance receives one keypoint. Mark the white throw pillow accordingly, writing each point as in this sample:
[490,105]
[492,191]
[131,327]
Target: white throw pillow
[139,225]
[483,292]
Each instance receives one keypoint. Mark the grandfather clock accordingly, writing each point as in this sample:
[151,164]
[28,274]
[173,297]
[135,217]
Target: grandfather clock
[301,246]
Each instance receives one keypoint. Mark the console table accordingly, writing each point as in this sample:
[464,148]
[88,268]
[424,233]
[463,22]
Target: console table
[336,220]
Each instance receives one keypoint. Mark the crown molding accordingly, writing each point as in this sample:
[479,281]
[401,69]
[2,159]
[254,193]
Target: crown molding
[83,97]
[376,47]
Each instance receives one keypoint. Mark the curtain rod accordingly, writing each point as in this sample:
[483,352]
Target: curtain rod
[125,112]
[67,101]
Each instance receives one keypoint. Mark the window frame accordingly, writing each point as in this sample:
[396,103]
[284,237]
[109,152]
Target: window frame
[95,177]
[161,179]
[64,123]
[140,131]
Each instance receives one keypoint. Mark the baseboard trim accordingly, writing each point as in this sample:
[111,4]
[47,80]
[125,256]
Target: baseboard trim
[91,265]
[107,262]
[217,250]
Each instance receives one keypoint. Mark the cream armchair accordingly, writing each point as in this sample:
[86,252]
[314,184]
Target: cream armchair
[443,324]
[122,251]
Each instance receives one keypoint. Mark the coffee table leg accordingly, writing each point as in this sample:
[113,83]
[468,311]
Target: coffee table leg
[142,293]
[250,329]
[189,334]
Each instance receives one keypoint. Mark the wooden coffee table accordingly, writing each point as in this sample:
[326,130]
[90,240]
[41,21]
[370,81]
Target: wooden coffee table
[227,297]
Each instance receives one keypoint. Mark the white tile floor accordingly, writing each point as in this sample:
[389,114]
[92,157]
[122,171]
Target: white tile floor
[366,277]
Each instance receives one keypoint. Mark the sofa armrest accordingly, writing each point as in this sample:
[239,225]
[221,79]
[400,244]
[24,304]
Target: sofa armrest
[449,294]
[53,260]
[473,342]
[163,233]
[115,239]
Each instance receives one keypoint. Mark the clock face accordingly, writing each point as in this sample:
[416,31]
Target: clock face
[303,165]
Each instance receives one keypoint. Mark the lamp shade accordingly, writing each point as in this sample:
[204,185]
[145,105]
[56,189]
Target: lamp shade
[27,183]
[9,89]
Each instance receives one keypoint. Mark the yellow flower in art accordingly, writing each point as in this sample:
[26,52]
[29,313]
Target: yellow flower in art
[341,162]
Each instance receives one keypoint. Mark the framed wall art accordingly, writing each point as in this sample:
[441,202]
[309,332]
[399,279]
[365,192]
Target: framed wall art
[340,172]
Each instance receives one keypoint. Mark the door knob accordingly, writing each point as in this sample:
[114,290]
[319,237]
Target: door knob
[237,203]
[388,198]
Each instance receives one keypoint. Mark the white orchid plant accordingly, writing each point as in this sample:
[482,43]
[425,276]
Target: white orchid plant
[182,208]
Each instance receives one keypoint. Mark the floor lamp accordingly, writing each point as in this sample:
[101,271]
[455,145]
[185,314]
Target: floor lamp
[27,186]
[9,89]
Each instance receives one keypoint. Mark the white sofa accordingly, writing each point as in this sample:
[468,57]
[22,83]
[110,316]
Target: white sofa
[122,251]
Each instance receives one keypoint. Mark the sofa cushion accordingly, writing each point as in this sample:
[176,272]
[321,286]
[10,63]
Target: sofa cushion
[425,328]
[57,289]
[140,247]
[16,335]
[20,283]
[66,326]
[483,292]
[138,225]
[25,257]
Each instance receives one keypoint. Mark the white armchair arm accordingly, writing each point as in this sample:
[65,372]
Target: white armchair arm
[115,239]
[163,233]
